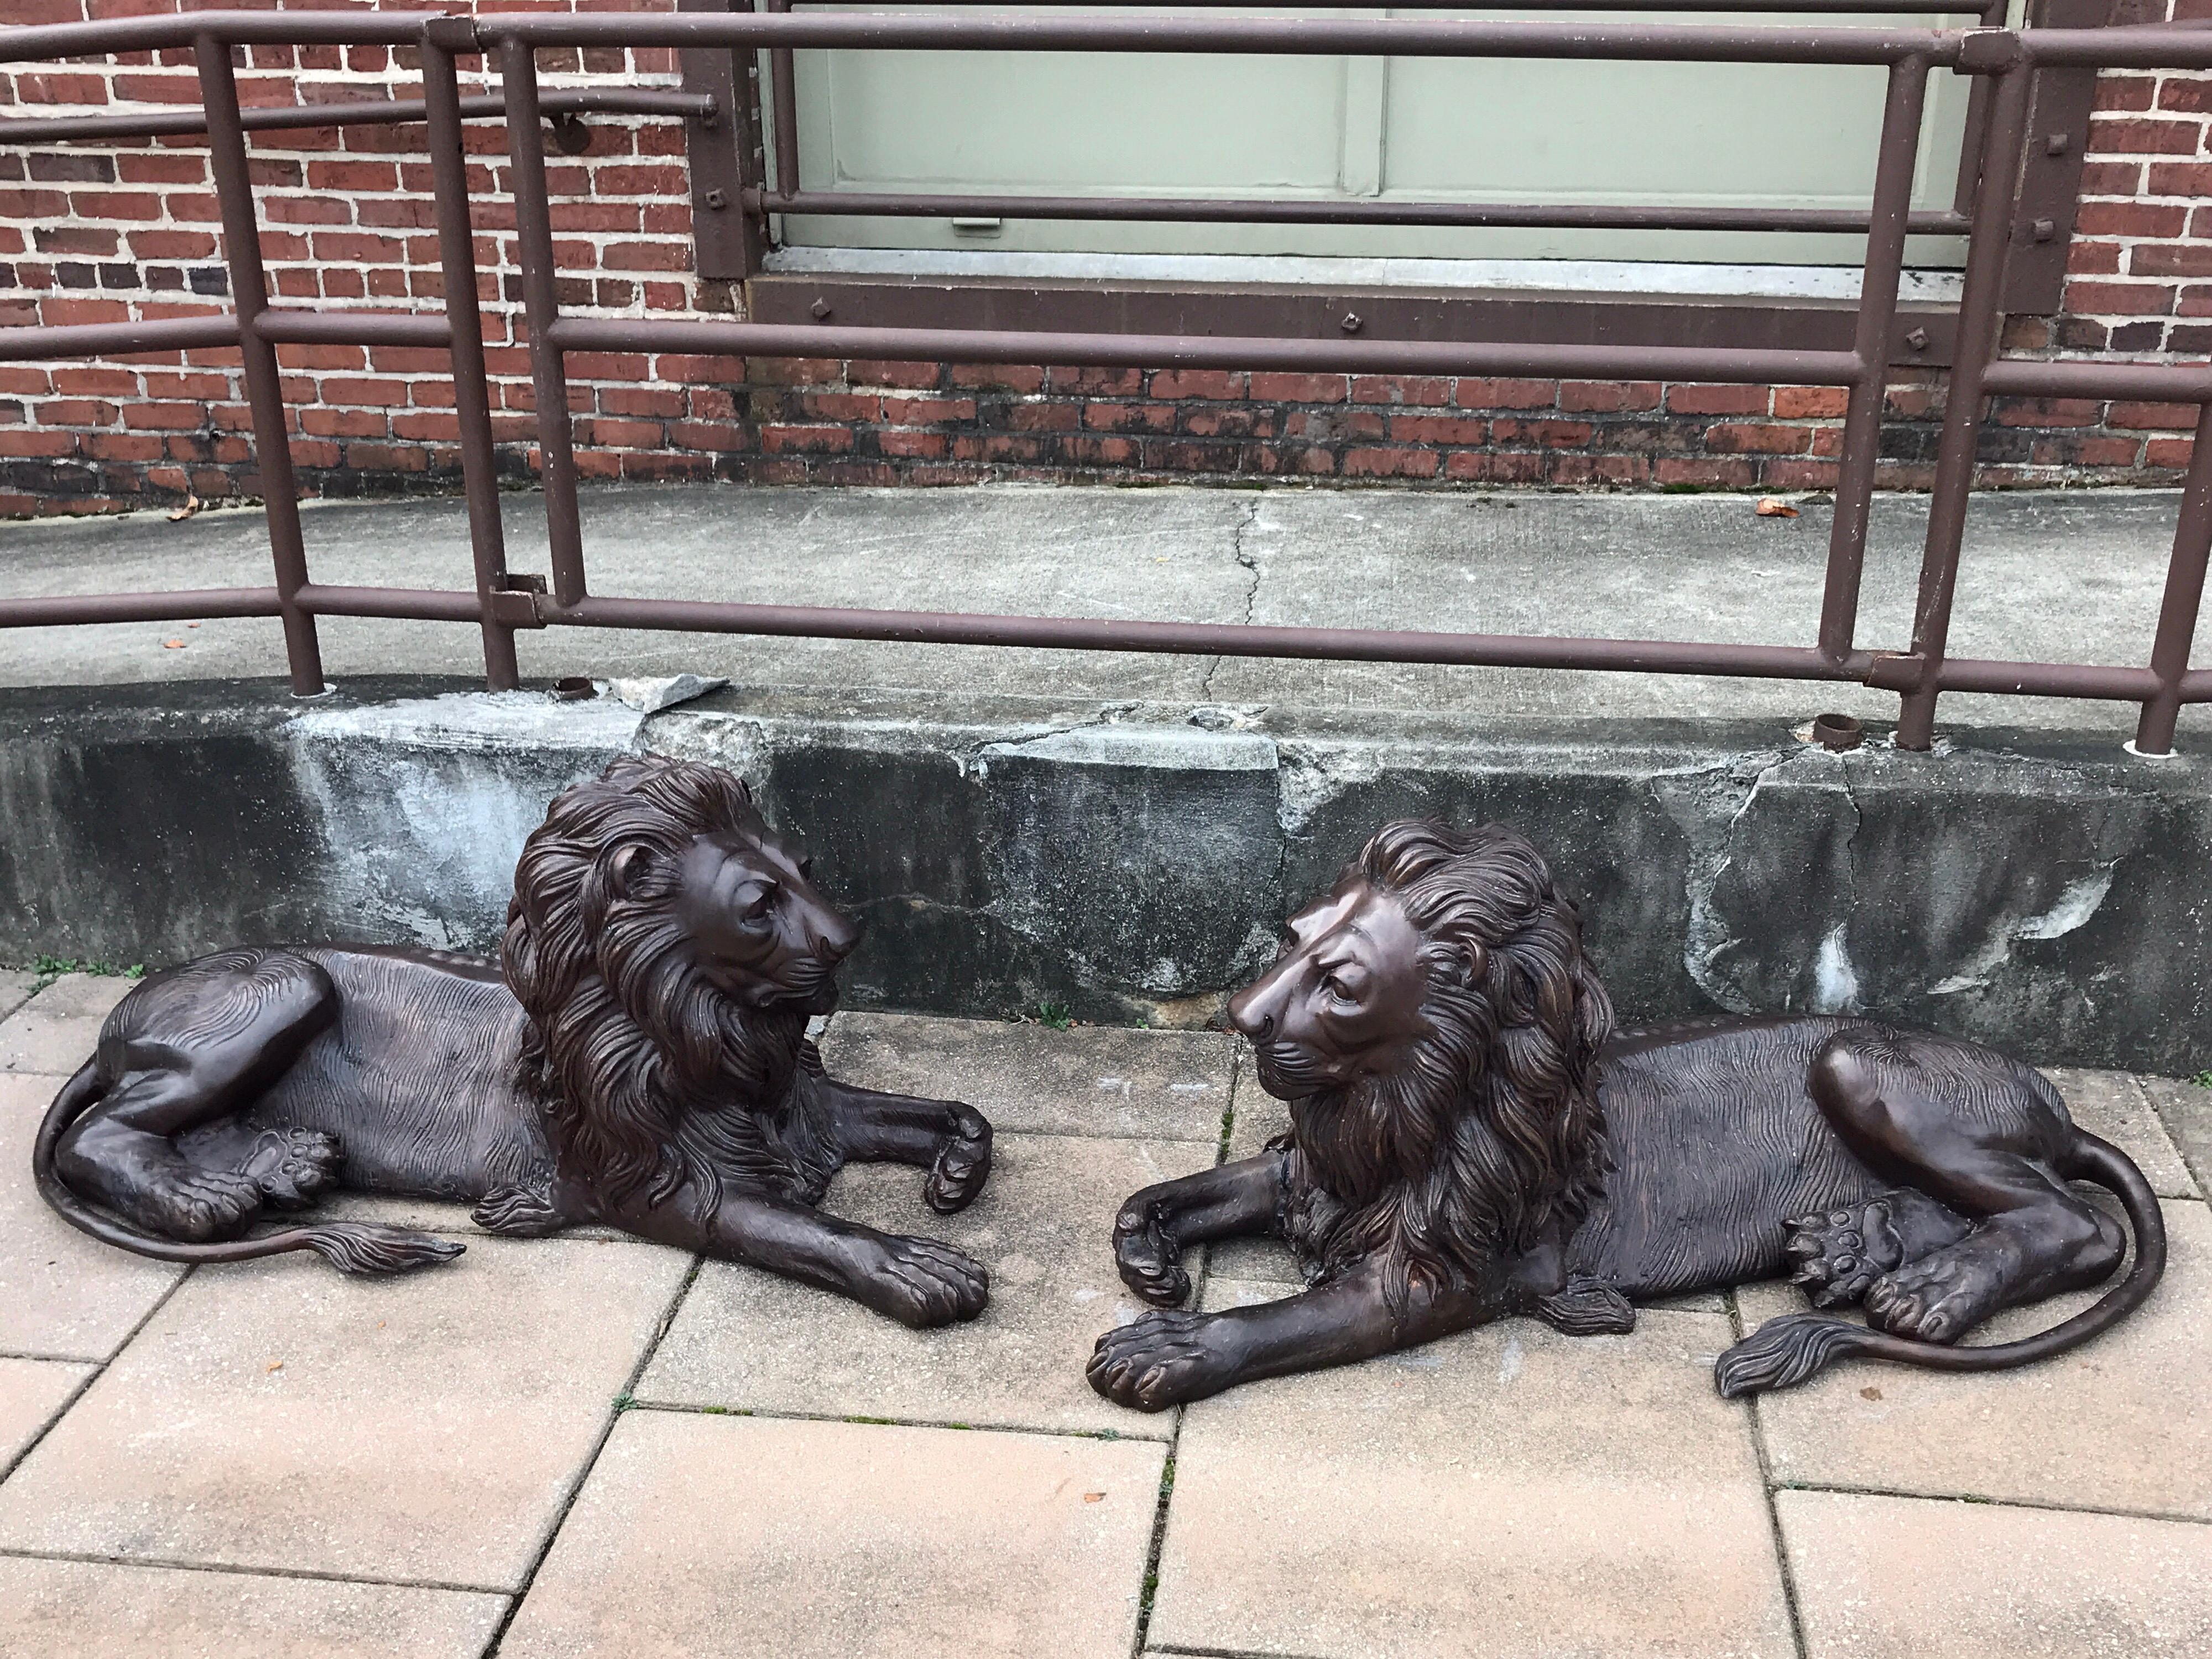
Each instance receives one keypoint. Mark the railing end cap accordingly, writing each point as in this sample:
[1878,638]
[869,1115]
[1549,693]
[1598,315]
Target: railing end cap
[1988,51]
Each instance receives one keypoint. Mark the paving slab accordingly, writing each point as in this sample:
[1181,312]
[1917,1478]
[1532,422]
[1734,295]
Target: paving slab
[279,1416]
[30,1392]
[62,1295]
[1043,1227]
[55,1032]
[15,985]
[2122,1423]
[1086,1080]
[1913,1578]
[2114,1106]
[1509,1492]
[100,1610]
[741,1537]
[2186,1109]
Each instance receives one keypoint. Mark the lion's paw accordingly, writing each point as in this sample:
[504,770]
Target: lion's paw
[963,1161]
[1161,1358]
[923,1283]
[1943,1296]
[1147,1257]
[1842,1253]
[292,1166]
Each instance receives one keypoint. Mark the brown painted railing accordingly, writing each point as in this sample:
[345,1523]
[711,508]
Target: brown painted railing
[502,602]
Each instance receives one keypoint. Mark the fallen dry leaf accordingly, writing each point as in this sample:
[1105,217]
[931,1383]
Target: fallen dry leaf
[192,504]
[172,645]
[1773,506]
[192,624]
[275,1364]
[1094,1497]
[1869,1393]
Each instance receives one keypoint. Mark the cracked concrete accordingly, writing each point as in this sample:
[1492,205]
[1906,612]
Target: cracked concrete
[2065,577]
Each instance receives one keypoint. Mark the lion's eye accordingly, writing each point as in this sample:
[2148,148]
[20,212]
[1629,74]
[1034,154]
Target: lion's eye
[1337,988]
[754,908]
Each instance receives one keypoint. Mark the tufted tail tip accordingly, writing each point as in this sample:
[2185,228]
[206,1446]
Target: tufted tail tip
[355,1247]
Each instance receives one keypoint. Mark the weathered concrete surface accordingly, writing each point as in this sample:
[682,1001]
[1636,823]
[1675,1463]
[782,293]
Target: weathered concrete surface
[117,1612]
[789,1540]
[1903,1578]
[1130,861]
[2061,577]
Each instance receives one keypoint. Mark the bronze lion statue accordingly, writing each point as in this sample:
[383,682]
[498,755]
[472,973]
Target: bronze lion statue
[1470,1137]
[637,1059]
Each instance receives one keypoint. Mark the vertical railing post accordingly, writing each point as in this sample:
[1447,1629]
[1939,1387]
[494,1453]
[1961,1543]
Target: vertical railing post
[1976,343]
[783,106]
[2185,592]
[534,244]
[1885,264]
[264,388]
[442,41]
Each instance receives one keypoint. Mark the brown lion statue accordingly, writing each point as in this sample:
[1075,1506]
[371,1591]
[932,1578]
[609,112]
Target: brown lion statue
[1471,1138]
[641,1062]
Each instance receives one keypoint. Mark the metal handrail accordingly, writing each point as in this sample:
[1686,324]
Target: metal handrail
[503,602]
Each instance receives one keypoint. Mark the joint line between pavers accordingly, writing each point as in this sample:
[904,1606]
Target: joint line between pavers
[235,1570]
[623,1401]
[1234,1653]
[99,1370]
[1767,1488]
[775,1414]
[1843,1490]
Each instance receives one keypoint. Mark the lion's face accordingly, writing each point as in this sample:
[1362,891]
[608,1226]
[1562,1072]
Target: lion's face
[759,931]
[1344,999]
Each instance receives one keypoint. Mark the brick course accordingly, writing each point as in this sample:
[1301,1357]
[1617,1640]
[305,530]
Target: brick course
[96,233]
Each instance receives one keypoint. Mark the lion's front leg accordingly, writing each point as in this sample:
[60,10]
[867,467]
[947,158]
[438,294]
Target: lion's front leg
[1232,1200]
[948,1137]
[917,1281]
[1164,1359]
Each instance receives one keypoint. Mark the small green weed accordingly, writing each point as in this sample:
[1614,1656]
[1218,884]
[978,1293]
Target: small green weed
[625,1401]
[46,969]
[2202,1079]
[1054,1015]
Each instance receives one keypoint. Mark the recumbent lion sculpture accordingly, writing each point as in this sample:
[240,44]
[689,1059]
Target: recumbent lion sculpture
[1470,1137]
[642,1063]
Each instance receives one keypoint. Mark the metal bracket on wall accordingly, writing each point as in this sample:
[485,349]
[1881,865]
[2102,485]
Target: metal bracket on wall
[728,238]
[2050,170]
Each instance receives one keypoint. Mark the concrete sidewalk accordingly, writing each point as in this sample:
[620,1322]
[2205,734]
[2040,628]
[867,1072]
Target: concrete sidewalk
[590,1446]
[2058,577]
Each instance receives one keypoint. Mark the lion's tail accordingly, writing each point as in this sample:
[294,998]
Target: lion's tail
[351,1247]
[1786,1352]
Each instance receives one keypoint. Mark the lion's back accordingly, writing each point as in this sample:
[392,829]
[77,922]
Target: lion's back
[1716,1141]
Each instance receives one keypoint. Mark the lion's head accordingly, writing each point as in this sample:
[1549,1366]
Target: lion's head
[1434,1028]
[667,947]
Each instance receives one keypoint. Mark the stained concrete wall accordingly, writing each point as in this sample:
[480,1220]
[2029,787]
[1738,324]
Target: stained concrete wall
[1132,861]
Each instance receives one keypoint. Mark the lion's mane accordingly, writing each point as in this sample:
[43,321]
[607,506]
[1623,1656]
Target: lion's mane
[1490,1141]
[649,1076]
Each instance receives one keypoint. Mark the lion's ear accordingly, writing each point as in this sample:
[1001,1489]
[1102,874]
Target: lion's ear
[629,863]
[1459,965]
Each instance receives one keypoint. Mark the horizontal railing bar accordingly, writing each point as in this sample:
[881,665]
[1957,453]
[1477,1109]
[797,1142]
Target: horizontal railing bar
[1200,209]
[392,328]
[1338,356]
[190,605]
[32,342]
[2163,383]
[244,28]
[2150,45]
[1106,634]
[1779,8]
[368,112]
[1327,37]
[399,603]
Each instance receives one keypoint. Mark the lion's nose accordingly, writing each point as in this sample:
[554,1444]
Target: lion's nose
[835,937]
[1251,1022]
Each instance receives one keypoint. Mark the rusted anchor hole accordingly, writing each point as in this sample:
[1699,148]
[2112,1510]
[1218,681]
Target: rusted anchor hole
[1838,731]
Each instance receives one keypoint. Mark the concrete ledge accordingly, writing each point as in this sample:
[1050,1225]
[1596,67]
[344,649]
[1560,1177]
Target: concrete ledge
[1131,861]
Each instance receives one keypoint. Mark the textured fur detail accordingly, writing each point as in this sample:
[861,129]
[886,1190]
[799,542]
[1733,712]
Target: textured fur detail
[355,1247]
[652,1077]
[1489,1141]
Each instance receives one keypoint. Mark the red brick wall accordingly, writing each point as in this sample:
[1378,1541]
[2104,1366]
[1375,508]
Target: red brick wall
[96,232]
